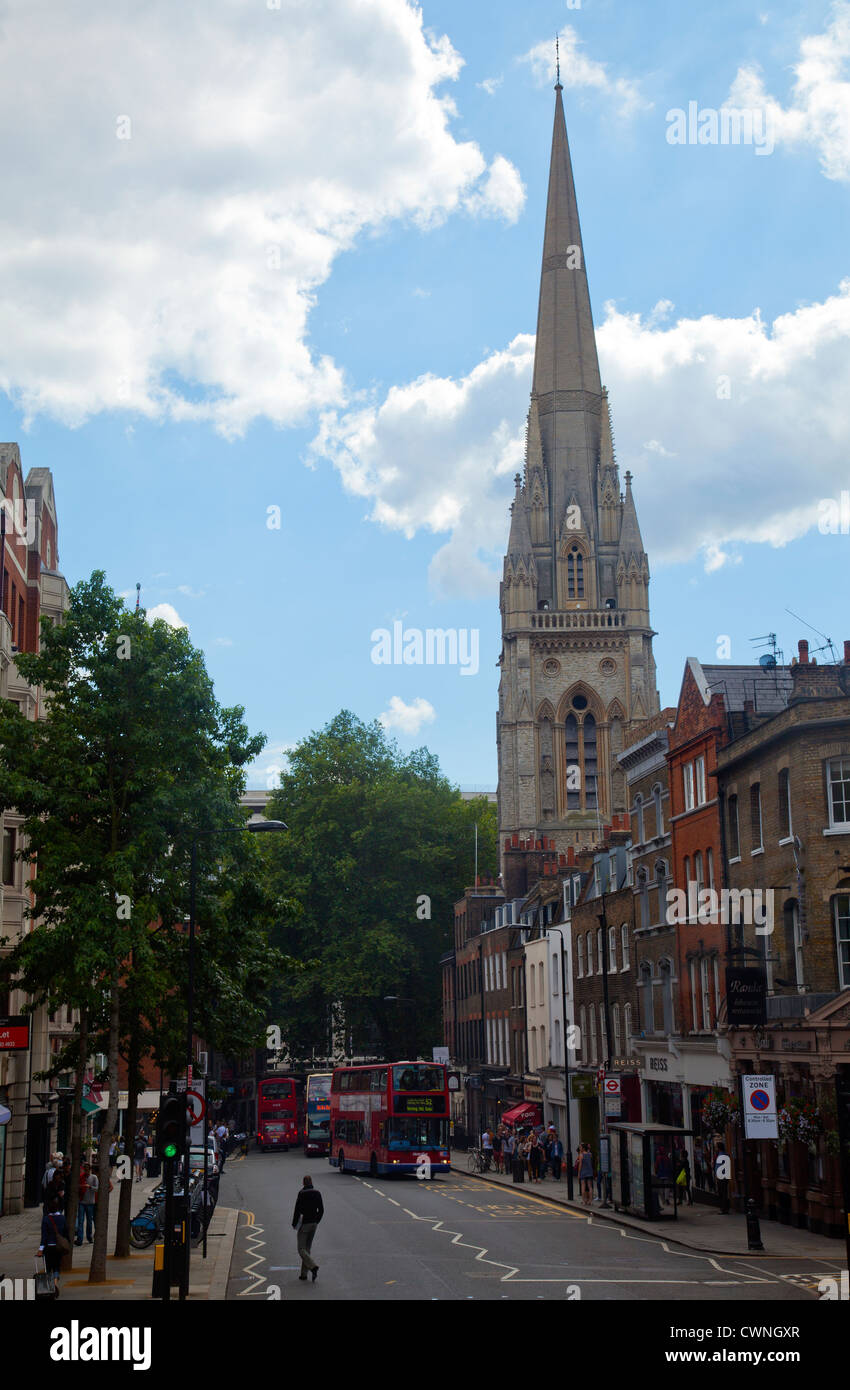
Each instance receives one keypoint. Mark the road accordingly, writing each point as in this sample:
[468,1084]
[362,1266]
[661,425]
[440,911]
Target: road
[460,1238]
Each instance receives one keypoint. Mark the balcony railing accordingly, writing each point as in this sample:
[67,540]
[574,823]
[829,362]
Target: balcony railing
[586,618]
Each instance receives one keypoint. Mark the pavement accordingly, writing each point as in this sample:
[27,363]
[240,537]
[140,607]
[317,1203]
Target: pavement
[698,1227]
[127,1279]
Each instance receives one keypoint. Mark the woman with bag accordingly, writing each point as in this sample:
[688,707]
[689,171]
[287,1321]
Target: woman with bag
[54,1241]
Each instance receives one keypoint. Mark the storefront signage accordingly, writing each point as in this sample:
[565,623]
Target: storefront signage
[534,1093]
[796,1045]
[746,988]
[759,1107]
[582,1086]
[625,1063]
[656,1064]
[14,1033]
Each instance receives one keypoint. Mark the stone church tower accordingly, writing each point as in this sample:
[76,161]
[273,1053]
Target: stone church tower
[577,663]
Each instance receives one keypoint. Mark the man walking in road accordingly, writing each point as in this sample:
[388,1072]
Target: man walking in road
[309,1210]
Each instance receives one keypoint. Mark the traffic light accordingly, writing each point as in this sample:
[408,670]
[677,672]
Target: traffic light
[171,1126]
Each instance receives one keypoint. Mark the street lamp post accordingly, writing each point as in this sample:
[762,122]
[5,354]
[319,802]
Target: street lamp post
[569,1151]
[254,827]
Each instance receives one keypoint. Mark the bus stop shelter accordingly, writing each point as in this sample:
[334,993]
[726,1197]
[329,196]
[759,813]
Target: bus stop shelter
[643,1169]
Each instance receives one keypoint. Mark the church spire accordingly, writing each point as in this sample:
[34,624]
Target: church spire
[565,357]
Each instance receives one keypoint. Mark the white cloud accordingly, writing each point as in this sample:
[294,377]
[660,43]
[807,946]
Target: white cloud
[819,112]
[167,613]
[577,70]
[189,592]
[439,454]
[490,85]
[223,642]
[408,718]
[173,273]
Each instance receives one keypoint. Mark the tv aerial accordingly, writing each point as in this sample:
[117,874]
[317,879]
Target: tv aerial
[827,641]
[769,660]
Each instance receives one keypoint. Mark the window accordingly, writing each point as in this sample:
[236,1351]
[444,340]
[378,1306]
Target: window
[709,856]
[580,956]
[647,1012]
[755,816]
[555,973]
[589,731]
[573,763]
[688,781]
[9,846]
[556,1044]
[615,1026]
[541,993]
[624,946]
[532,999]
[793,941]
[661,885]
[639,817]
[841,914]
[575,574]
[612,949]
[544,1056]
[699,777]
[784,798]
[532,1055]
[705,991]
[582,1034]
[734,837]
[603,1034]
[666,973]
[592,1056]
[600,964]
[838,781]
[659,812]
[698,878]
[694,1008]
[627,1024]
[643,896]
[588,941]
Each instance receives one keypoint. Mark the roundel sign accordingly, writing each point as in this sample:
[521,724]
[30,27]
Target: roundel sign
[611,1086]
[759,1100]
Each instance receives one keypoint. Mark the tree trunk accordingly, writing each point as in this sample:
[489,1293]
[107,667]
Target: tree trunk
[125,1198]
[97,1270]
[76,1137]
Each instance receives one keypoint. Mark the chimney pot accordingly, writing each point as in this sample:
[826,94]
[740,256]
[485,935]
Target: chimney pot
[803,649]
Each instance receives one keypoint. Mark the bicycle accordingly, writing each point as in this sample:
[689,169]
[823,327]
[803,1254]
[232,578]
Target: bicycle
[477,1161]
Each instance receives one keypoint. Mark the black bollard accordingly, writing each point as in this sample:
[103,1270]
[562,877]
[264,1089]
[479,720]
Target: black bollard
[753,1228]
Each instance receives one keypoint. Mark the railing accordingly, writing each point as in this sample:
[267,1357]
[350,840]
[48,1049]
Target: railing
[588,618]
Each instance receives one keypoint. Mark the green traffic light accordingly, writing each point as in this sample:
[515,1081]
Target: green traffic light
[170,1151]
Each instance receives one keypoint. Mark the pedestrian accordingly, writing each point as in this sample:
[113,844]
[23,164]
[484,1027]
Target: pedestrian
[487,1147]
[683,1177]
[535,1154]
[497,1149]
[309,1210]
[85,1208]
[139,1151]
[585,1174]
[525,1154]
[113,1151]
[54,1240]
[50,1172]
[221,1136]
[723,1173]
[556,1154]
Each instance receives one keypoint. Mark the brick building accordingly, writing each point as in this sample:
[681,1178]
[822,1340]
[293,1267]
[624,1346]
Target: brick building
[31,586]
[785,788]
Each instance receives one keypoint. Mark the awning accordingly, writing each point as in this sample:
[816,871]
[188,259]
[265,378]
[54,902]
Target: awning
[525,1114]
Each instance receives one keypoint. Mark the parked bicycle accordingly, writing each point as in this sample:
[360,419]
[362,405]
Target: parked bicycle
[478,1161]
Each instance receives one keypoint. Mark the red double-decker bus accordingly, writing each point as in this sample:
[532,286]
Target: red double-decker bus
[278,1113]
[392,1118]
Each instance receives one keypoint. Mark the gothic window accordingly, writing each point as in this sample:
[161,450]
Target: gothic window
[573,765]
[589,731]
[575,574]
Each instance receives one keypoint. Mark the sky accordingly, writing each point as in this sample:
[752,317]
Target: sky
[268,287]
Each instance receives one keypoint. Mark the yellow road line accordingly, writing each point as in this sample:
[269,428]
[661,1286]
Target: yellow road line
[532,1197]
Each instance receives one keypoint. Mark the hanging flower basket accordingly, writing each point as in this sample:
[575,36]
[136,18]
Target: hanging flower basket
[717,1114]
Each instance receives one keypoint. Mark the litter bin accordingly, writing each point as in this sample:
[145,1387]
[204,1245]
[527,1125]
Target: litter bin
[153,1166]
[518,1170]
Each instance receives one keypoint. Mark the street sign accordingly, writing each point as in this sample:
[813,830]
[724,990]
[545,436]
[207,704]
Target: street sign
[195,1107]
[454,1081]
[746,991]
[440,1054]
[14,1033]
[759,1107]
[611,1086]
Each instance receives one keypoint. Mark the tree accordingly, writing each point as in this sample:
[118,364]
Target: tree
[380,846]
[134,758]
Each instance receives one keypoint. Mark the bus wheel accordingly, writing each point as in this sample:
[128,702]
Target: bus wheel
[341,1161]
[373,1166]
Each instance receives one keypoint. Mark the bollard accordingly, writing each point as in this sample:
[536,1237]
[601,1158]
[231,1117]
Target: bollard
[753,1228]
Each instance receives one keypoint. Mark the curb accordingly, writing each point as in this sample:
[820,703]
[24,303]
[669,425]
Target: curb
[617,1218]
[217,1290]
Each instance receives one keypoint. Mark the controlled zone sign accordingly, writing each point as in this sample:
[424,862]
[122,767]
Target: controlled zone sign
[759,1107]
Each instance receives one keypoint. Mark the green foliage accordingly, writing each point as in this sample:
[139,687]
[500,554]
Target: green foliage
[371,834]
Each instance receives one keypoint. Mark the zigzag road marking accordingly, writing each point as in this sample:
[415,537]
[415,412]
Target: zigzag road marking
[623,1231]
[252,1253]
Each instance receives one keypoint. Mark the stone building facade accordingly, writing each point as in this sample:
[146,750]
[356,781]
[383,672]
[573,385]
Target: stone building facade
[577,668]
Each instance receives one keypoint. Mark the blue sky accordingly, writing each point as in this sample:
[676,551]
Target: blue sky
[303,274]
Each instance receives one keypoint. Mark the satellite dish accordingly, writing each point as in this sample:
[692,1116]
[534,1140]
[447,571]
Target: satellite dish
[767,662]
